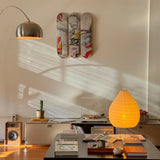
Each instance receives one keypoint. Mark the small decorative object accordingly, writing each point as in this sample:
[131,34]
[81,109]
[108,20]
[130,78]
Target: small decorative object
[101,143]
[14,117]
[94,147]
[40,113]
[74,35]
[117,151]
[86,35]
[143,116]
[62,35]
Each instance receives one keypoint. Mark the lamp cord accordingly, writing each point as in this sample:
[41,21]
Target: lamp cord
[18,9]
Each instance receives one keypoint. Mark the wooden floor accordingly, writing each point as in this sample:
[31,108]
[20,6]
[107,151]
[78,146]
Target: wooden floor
[34,152]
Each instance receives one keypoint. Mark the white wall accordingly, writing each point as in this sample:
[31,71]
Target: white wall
[154,58]
[31,70]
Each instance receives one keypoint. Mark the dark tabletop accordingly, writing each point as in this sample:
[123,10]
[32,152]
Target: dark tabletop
[152,151]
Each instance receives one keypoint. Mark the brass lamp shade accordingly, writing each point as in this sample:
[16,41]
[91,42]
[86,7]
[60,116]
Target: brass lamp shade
[124,111]
[29,30]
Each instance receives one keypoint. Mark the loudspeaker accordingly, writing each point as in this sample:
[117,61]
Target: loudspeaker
[13,133]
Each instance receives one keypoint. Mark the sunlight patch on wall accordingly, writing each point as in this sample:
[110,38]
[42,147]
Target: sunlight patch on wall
[38,57]
[94,79]
[55,107]
[20,93]
[79,73]
[74,80]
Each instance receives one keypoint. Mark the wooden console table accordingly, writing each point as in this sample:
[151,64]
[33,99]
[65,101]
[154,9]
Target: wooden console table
[152,151]
[88,124]
[43,133]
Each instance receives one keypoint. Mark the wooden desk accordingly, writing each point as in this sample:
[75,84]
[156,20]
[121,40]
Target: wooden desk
[152,151]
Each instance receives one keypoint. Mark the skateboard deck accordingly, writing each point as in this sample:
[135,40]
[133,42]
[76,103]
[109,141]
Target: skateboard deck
[74,35]
[86,35]
[62,35]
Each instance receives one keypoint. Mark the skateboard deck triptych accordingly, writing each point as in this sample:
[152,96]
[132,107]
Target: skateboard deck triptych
[74,35]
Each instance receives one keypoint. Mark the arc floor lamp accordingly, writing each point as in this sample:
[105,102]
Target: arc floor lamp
[27,29]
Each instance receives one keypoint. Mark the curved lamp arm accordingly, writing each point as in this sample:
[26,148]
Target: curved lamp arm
[18,9]
[26,30]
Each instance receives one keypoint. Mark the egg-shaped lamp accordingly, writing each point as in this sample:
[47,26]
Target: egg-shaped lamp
[124,111]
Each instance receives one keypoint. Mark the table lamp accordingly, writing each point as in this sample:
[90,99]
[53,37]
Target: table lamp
[28,29]
[124,111]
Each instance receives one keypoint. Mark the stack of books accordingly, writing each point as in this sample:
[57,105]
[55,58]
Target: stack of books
[135,151]
[66,148]
[131,141]
[133,147]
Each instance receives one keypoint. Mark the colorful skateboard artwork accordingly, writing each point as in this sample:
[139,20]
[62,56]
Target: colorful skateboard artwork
[86,35]
[74,35]
[62,35]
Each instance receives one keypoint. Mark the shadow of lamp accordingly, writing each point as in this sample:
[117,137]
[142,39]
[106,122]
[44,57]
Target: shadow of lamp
[124,111]
[27,29]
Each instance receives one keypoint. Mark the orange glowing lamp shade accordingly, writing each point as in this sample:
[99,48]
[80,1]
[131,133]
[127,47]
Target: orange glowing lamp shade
[124,111]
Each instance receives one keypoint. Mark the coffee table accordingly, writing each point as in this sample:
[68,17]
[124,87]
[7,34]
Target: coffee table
[152,151]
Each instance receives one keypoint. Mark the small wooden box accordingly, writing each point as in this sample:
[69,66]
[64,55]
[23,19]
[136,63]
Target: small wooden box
[93,147]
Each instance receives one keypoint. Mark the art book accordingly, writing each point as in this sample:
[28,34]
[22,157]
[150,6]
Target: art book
[132,151]
[92,137]
[67,141]
[131,141]
[66,148]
